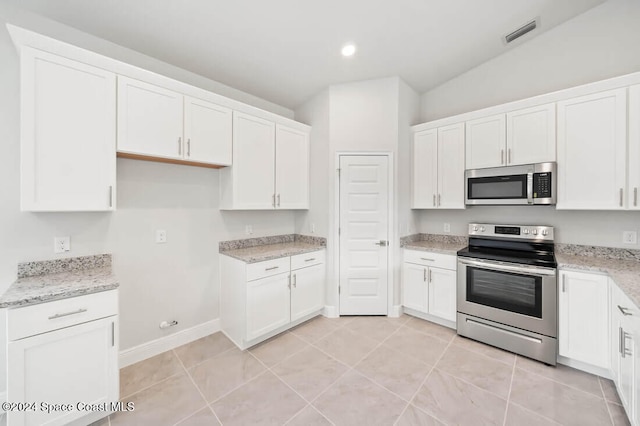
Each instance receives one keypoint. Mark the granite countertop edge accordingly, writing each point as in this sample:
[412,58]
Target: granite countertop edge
[443,248]
[36,300]
[271,251]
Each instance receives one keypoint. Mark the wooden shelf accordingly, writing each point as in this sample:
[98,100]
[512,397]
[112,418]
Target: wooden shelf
[167,160]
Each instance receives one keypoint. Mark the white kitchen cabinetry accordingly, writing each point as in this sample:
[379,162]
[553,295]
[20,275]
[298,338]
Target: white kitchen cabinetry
[429,286]
[633,193]
[160,123]
[270,167]
[259,300]
[531,135]
[624,318]
[592,132]
[63,352]
[520,137]
[583,320]
[68,134]
[438,168]
[485,142]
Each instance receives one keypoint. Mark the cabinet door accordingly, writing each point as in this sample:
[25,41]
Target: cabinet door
[292,168]
[253,162]
[268,305]
[414,287]
[149,119]
[625,345]
[583,324]
[307,291]
[67,366]
[425,169]
[207,132]
[451,167]
[485,142]
[531,135]
[591,151]
[634,148]
[68,135]
[442,293]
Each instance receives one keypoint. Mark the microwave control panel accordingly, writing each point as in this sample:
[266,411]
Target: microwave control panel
[542,185]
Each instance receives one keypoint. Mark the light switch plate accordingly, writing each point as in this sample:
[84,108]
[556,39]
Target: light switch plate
[161,236]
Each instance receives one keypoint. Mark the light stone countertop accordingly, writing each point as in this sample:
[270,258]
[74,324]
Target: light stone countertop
[45,288]
[271,251]
[625,273]
[436,246]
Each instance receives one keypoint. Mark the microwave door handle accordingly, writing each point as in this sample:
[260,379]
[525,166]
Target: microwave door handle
[530,188]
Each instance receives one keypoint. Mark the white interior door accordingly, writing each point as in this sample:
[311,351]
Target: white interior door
[364,248]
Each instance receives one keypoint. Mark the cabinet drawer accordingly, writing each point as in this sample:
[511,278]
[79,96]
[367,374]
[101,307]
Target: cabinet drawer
[307,259]
[44,317]
[426,258]
[267,268]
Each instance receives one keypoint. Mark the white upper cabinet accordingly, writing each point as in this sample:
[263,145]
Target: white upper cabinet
[157,122]
[592,133]
[207,132]
[292,168]
[485,144]
[149,119]
[531,135]
[438,168]
[633,192]
[270,167]
[68,134]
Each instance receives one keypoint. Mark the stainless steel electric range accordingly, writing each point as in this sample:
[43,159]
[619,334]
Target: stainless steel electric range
[507,289]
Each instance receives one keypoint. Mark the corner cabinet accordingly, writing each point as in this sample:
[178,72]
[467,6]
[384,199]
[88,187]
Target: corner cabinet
[63,352]
[68,135]
[429,286]
[156,122]
[270,166]
[260,300]
[438,168]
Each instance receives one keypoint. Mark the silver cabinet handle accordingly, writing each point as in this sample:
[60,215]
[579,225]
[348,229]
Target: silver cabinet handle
[310,259]
[66,314]
[624,311]
[189,147]
[295,280]
[564,281]
[509,156]
[381,243]
[621,196]
[272,268]
[623,335]
[621,341]
[502,156]
[438,199]
[179,146]
[428,260]
[289,281]
[430,277]
[425,275]
[110,196]
[278,200]
[434,200]
[635,196]
[273,200]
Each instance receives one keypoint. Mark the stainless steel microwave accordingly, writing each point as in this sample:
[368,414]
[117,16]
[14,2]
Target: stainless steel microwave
[529,184]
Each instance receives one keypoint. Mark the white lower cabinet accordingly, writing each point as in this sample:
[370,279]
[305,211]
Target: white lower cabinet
[66,353]
[429,285]
[583,320]
[259,300]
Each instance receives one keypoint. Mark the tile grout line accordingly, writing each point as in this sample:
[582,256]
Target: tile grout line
[206,403]
[513,373]
[605,402]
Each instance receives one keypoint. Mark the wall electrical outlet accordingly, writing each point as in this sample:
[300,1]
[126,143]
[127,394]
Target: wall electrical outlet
[630,237]
[161,236]
[313,228]
[447,227]
[61,244]
[248,229]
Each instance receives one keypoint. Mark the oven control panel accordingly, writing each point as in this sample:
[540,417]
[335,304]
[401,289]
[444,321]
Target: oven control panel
[527,232]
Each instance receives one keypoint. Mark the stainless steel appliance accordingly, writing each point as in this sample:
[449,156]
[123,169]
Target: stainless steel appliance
[533,184]
[507,289]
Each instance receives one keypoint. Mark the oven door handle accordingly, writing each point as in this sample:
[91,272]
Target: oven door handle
[507,268]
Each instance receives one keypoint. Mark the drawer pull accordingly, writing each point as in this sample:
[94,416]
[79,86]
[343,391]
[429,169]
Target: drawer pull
[428,260]
[272,268]
[310,259]
[66,314]
[624,311]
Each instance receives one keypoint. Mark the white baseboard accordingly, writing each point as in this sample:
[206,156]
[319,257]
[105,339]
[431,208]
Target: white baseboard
[588,368]
[330,312]
[396,311]
[158,346]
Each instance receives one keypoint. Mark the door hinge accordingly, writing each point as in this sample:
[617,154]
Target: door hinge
[338,230]
[339,172]
[338,289]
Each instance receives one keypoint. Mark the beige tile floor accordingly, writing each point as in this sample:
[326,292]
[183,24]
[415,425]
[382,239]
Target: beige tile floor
[360,371]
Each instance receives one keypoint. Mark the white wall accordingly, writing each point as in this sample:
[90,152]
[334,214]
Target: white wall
[600,43]
[177,280]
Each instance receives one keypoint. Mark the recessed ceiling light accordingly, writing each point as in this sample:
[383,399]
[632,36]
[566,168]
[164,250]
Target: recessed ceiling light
[348,49]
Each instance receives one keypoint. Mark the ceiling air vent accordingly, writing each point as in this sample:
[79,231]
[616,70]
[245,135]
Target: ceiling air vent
[528,27]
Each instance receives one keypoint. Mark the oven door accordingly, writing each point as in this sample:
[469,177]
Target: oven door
[520,296]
